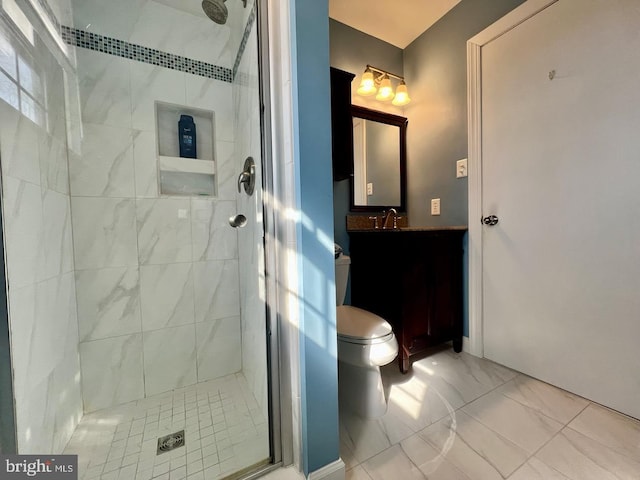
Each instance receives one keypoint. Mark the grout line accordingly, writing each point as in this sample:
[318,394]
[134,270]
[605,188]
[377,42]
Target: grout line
[414,464]
[551,439]
[589,403]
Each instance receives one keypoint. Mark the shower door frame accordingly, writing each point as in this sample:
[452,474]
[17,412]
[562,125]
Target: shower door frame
[8,433]
[273,372]
[278,386]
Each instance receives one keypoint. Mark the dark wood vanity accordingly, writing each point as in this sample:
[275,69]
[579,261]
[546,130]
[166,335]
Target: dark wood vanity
[412,278]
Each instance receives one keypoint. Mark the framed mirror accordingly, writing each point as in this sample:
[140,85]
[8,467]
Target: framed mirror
[379,179]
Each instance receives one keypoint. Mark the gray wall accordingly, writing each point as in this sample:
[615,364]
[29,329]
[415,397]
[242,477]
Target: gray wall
[435,68]
[351,51]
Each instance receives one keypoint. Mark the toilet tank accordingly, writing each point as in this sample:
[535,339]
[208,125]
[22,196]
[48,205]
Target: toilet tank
[342,276]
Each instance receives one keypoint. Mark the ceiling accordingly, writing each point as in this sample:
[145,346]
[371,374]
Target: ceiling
[383,19]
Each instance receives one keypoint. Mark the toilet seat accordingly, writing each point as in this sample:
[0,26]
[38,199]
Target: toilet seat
[361,327]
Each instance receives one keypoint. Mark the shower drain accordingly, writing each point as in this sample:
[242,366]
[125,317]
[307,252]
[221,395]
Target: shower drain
[170,442]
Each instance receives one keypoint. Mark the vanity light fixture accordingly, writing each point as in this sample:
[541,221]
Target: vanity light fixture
[367,84]
[402,95]
[385,92]
[376,80]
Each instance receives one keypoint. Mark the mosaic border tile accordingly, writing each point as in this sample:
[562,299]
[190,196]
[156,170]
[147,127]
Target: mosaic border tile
[113,46]
[120,48]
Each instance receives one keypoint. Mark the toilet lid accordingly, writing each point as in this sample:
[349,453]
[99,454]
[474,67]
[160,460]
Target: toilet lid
[355,323]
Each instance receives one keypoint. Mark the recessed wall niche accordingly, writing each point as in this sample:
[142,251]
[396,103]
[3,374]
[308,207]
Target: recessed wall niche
[185,176]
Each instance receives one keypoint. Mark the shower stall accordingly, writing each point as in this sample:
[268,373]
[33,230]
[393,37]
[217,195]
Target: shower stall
[135,321]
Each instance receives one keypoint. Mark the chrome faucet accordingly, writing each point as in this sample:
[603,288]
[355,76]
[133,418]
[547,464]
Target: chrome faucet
[386,218]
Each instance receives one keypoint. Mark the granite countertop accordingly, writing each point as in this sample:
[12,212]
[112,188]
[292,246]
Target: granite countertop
[363,223]
[460,228]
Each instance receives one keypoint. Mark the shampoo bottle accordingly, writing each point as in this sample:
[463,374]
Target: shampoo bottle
[187,136]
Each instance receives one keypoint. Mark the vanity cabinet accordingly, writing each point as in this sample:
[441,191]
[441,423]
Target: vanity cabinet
[413,279]
[341,125]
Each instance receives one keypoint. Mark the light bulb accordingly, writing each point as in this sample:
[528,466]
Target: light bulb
[367,84]
[402,95]
[385,92]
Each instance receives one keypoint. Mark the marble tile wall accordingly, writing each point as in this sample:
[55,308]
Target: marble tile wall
[39,257]
[157,276]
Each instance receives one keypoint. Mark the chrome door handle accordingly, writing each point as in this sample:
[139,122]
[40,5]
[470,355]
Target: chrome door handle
[491,220]
[247,177]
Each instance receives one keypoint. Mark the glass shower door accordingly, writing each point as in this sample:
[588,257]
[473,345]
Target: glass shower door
[137,312]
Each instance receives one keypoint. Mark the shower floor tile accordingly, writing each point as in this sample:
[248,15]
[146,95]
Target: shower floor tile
[224,431]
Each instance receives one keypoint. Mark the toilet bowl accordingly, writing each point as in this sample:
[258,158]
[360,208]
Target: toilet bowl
[365,343]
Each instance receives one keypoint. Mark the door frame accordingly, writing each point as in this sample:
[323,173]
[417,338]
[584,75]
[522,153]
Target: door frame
[511,20]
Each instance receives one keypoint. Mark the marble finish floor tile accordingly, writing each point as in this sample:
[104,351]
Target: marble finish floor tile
[472,443]
[544,398]
[489,423]
[616,431]
[434,462]
[361,438]
[534,469]
[224,432]
[578,457]
[392,463]
[459,377]
[357,473]
[470,376]
[522,425]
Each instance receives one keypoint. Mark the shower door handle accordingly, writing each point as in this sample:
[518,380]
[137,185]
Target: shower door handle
[244,178]
[247,177]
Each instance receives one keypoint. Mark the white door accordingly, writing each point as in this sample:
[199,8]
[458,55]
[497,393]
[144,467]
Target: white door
[561,171]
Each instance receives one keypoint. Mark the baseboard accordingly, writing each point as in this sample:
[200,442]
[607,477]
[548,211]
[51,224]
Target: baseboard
[466,345]
[333,471]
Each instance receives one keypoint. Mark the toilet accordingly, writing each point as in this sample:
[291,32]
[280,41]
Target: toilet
[365,343]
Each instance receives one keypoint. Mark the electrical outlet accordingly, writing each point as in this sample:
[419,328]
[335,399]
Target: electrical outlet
[461,168]
[369,188]
[435,206]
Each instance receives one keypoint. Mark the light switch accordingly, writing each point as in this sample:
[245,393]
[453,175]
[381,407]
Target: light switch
[183,213]
[369,188]
[435,206]
[461,168]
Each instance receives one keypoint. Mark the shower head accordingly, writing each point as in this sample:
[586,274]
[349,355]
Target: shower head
[216,10]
